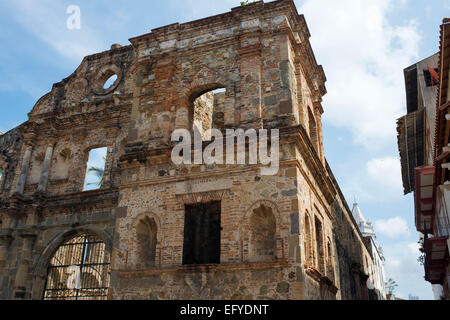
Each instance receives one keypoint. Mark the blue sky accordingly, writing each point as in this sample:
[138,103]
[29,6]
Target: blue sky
[96,160]
[363,45]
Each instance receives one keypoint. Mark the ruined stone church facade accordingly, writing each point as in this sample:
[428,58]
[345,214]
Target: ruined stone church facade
[156,230]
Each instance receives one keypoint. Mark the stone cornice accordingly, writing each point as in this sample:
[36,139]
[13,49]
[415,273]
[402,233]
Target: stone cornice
[162,155]
[228,267]
[109,116]
[108,102]
[313,161]
[74,200]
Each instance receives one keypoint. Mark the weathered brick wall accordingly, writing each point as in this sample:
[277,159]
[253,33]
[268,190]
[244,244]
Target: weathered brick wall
[75,117]
[261,55]
[10,143]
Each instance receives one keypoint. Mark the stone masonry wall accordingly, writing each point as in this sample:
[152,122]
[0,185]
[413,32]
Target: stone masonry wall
[260,54]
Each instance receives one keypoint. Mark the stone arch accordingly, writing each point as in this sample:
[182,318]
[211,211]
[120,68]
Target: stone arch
[103,75]
[203,81]
[146,233]
[270,217]
[262,240]
[39,269]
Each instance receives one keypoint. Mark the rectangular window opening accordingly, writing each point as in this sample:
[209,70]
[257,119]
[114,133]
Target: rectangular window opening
[95,169]
[202,233]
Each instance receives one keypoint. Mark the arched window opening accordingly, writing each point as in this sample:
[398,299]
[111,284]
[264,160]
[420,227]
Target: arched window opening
[319,247]
[312,128]
[208,112]
[110,82]
[147,238]
[308,241]
[79,270]
[262,234]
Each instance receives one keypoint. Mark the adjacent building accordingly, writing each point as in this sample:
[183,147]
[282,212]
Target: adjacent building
[377,278]
[424,153]
[160,230]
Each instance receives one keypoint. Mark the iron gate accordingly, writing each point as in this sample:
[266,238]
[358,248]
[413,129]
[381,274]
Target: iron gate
[79,270]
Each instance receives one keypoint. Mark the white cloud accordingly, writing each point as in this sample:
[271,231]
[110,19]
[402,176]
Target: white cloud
[378,181]
[393,228]
[386,174]
[363,56]
[403,267]
[46,20]
[195,9]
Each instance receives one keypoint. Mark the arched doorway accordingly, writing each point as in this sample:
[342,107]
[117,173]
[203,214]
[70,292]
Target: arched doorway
[79,270]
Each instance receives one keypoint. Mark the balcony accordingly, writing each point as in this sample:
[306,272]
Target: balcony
[424,177]
[436,259]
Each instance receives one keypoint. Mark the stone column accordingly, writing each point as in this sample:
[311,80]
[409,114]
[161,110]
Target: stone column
[20,284]
[43,181]
[24,169]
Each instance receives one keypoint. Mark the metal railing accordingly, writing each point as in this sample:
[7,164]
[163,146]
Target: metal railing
[79,270]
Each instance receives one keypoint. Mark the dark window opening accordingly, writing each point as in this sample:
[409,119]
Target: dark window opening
[202,233]
[429,81]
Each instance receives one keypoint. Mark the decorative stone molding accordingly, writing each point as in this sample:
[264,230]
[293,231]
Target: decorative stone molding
[203,197]
[104,74]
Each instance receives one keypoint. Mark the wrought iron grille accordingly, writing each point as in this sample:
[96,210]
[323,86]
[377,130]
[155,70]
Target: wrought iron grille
[79,270]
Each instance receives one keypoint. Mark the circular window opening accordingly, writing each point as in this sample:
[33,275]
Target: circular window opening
[110,82]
